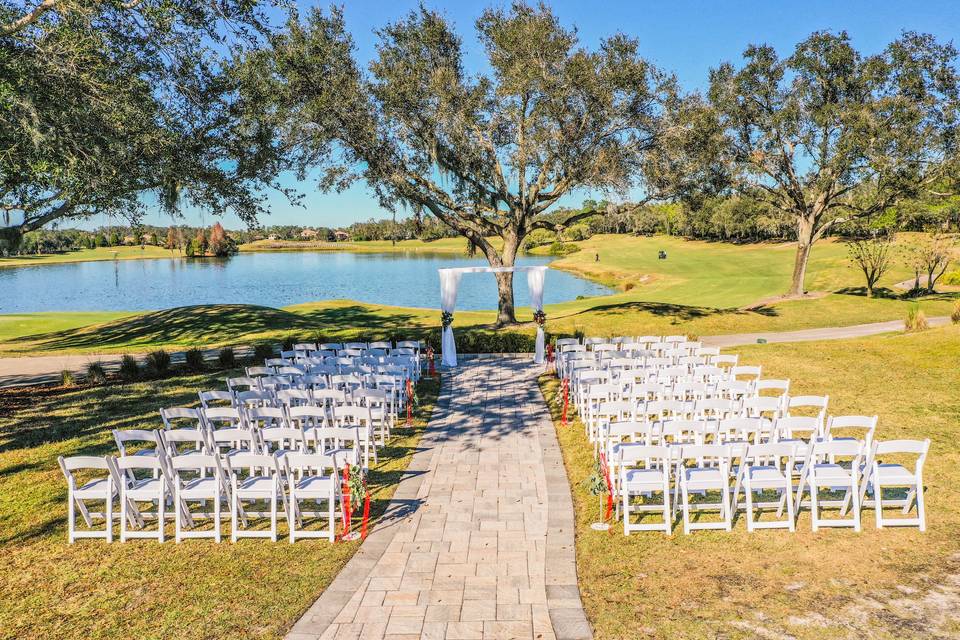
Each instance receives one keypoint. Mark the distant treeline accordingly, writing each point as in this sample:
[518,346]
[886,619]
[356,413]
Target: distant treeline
[728,219]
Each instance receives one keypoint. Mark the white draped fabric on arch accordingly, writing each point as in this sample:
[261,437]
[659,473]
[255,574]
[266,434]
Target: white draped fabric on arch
[450,282]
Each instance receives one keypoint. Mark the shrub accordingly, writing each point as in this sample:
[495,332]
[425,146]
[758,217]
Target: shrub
[916,319]
[158,362]
[577,232]
[262,351]
[538,238]
[952,279]
[129,369]
[562,249]
[227,358]
[96,374]
[67,379]
[194,359]
[481,341]
[955,316]
[288,342]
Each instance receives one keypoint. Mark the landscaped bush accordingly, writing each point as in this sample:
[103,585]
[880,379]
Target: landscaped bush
[129,369]
[538,238]
[952,279]
[563,248]
[916,319]
[487,341]
[955,315]
[227,358]
[96,374]
[194,359]
[289,341]
[262,351]
[577,233]
[67,379]
[158,362]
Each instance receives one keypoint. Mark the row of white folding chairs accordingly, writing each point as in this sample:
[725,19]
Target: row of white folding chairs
[859,470]
[285,478]
[590,342]
[789,413]
[629,390]
[408,362]
[635,371]
[414,345]
[706,382]
[391,400]
[217,424]
[387,382]
[288,372]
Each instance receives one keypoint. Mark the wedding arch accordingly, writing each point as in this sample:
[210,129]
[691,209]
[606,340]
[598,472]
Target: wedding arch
[450,282]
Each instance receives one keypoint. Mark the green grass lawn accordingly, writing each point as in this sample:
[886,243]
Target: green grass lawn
[884,584]
[88,255]
[701,289]
[197,589]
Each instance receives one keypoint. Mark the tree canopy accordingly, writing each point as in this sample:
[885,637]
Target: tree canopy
[487,153]
[828,134]
[105,102]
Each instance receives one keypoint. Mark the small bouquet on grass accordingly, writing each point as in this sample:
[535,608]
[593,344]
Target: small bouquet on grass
[446,319]
[596,485]
[540,317]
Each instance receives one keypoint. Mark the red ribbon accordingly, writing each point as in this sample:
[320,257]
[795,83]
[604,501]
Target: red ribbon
[549,353]
[566,400]
[346,502]
[432,368]
[366,513]
[409,402]
[606,475]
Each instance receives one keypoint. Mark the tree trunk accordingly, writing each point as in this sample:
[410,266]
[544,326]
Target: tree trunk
[505,309]
[804,244]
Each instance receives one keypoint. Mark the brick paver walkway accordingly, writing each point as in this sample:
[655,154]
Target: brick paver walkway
[480,541]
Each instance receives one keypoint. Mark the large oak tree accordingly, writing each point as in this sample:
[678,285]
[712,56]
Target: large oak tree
[487,153]
[106,105]
[828,134]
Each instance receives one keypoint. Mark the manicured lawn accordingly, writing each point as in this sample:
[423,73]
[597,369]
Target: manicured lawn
[87,255]
[716,274]
[890,583]
[198,589]
[700,289]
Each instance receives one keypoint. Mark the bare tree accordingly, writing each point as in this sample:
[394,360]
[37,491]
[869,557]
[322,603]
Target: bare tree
[874,256]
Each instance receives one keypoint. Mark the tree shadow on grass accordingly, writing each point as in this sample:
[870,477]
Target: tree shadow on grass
[358,319]
[184,325]
[680,313]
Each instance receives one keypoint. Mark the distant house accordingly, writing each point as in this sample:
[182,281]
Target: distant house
[309,234]
[340,236]
[129,240]
[272,236]
[149,239]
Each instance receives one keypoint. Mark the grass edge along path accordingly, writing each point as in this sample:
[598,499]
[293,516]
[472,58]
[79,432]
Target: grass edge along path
[198,589]
[889,584]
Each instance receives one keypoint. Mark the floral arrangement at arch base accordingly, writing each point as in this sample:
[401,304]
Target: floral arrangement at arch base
[540,317]
[446,319]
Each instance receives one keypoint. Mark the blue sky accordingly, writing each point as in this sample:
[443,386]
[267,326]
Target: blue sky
[687,38]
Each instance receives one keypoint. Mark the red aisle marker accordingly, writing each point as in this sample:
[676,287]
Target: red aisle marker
[432,367]
[366,514]
[409,402]
[606,476]
[346,501]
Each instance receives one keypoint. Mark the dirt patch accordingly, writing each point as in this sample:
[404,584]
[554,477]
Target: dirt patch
[766,302]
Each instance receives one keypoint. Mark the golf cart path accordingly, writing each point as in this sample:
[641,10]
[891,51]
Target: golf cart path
[33,370]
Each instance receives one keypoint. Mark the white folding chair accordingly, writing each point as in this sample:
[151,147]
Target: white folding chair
[360,418]
[263,483]
[894,475]
[767,467]
[101,488]
[314,477]
[710,472]
[152,489]
[824,470]
[209,398]
[191,483]
[644,471]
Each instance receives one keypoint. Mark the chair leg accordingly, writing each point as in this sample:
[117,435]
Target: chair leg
[161,515]
[71,517]
[178,516]
[878,505]
[273,517]
[856,505]
[791,512]
[123,516]
[909,501]
[626,512]
[331,516]
[667,516]
[814,509]
[686,510]
[748,490]
[216,517]
[725,506]
[921,510]
[233,516]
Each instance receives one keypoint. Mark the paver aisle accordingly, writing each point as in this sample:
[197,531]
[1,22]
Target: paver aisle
[480,543]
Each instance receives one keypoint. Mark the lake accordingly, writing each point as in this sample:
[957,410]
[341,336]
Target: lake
[270,279]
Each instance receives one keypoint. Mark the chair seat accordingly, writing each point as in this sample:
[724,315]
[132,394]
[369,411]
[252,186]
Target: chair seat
[703,478]
[634,478]
[827,472]
[315,485]
[93,489]
[149,488]
[893,474]
[257,486]
[200,488]
[766,476]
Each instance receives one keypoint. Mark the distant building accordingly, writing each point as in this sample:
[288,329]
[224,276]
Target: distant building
[272,236]
[129,240]
[309,234]
[340,236]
